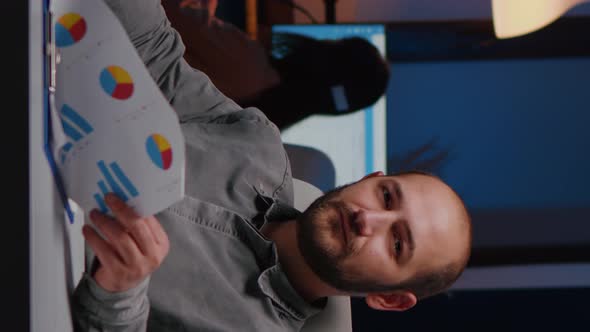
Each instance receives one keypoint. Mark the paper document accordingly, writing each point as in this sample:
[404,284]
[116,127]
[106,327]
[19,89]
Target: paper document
[120,133]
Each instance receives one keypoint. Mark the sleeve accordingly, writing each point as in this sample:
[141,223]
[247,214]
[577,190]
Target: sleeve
[190,92]
[95,309]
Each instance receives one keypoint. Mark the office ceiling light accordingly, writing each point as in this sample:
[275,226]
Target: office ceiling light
[514,18]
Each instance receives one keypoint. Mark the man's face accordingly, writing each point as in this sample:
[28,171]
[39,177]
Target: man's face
[382,230]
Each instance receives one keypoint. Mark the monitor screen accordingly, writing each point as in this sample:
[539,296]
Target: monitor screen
[355,142]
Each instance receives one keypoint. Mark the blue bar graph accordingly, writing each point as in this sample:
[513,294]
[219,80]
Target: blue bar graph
[64,151]
[68,112]
[101,204]
[115,180]
[124,180]
[111,181]
[70,131]
[103,187]
[75,126]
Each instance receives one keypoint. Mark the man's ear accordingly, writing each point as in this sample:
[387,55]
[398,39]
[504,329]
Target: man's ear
[397,301]
[378,173]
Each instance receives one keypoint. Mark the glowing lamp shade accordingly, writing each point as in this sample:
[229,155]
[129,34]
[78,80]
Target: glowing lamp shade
[514,18]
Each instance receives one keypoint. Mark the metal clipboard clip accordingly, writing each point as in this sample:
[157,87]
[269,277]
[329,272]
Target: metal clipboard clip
[53,132]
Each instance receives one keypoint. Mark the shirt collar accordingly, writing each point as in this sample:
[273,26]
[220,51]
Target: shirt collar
[274,283]
[280,212]
[272,210]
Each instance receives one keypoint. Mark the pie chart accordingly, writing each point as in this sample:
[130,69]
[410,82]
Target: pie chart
[116,82]
[69,29]
[159,151]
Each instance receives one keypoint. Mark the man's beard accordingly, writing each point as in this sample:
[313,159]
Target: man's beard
[317,227]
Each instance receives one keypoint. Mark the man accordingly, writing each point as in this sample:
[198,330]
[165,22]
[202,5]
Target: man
[233,255]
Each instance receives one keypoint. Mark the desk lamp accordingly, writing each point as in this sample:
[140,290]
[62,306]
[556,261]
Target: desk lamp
[514,18]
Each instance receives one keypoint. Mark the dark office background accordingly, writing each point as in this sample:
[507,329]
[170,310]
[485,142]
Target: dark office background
[495,310]
[513,118]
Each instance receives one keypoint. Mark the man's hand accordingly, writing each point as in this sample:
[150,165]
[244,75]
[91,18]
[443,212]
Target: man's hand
[132,248]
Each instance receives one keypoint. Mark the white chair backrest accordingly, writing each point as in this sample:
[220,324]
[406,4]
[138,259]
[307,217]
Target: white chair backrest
[336,316]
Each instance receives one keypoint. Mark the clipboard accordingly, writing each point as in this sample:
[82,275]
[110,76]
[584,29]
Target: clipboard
[51,126]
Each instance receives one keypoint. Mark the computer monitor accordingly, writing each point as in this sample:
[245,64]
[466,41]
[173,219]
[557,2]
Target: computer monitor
[355,142]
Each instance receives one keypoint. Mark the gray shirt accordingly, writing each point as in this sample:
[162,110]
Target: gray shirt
[220,274]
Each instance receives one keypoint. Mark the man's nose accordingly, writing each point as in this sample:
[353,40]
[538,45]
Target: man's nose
[370,222]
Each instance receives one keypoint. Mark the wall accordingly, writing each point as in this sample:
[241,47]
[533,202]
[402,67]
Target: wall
[517,129]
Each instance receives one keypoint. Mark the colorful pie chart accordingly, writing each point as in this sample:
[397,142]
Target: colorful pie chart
[159,151]
[69,29]
[116,82]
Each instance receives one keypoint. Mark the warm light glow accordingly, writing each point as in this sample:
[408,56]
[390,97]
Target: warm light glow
[514,18]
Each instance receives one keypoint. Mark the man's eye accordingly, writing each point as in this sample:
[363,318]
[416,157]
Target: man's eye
[387,198]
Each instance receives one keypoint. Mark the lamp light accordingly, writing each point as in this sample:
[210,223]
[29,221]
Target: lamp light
[514,18]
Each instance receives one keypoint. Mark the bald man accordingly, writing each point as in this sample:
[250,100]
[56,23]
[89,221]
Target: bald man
[234,255]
